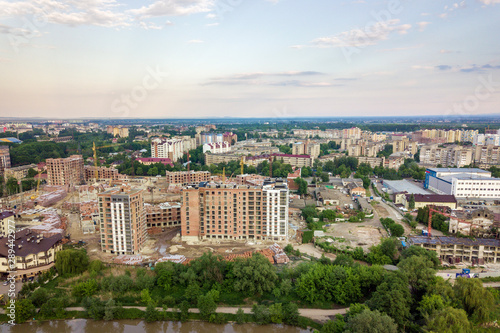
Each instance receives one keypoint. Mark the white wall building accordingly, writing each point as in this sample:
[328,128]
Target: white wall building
[463,183]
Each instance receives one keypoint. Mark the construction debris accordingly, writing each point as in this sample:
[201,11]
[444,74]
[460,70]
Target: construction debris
[125,259]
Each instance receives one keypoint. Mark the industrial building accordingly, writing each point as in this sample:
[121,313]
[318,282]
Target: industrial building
[219,211]
[123,220]
[463,183]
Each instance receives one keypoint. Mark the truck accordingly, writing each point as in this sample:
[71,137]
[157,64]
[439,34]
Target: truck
[465,273]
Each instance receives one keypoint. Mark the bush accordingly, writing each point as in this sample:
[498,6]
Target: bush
[307,236]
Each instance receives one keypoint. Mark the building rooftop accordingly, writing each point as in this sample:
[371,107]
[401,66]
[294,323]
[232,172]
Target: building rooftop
[433,198]
[459,170]
[404,186]
[445,240]
[467,176]
[6,214]
[121,191]
[28,242]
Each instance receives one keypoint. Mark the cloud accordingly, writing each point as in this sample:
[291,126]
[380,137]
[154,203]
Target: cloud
[195,41]
[173,8]
[371,35]
[443,67]
[445,51]
[168,22]
[104,13]
[476,68]
[422,25]
[451,8]
[212,24]
[489,2]
[259,78]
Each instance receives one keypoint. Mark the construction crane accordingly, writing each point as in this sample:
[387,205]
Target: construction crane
[242,164]
[94,149]
[33,197]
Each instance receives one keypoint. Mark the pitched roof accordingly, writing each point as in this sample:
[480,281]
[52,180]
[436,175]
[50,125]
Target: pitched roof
[28,242]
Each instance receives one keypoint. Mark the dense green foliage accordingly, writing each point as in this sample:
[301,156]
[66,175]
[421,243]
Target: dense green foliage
[69,262]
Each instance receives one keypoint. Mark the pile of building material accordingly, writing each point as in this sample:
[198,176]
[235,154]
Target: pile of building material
[49,199]
[175,258]
[52,224]
[280,256]
[125,259]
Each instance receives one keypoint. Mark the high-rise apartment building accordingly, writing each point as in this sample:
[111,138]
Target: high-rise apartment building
[65,171]
[171,148]
[4,159]
[118,131]
[187,177]
[219,211]
[123,220]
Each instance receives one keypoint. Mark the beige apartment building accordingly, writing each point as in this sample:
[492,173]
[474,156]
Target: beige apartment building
[164,215]
[233,212]
[91,173]
[19,172]
[123,220]
[455,250]
[4,159]
[34,253]
[65,171]
[187,177]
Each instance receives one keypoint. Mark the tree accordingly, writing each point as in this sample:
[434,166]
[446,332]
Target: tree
[334,326]
[430,304]
[449,320]
[192,292]
[371,321]
[261,314]
[420,274]
[276,313]
[109,310]
[473,298]
[291,314]
[94,308]
[302,184]
[24,310]
[397,230]
[206,305]
[254,275]
[145,296]
[151,313]
[411,202]
[85,289]
[240,316]
[393,298]
[69,262]
[306,172]
[39,297]
[324,177]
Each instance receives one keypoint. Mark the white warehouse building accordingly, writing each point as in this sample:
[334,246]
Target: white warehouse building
[463,183]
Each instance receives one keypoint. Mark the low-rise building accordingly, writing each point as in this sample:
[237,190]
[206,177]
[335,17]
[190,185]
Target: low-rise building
[154,160]
[183,178]
[423,200]
[34,254]
[453,250]
[19,172]
[6,218]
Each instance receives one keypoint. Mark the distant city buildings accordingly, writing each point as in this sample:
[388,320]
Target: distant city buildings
[123,220]
[118,131]
[19,172]
[173,148]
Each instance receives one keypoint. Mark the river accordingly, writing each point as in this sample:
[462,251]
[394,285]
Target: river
[136,326]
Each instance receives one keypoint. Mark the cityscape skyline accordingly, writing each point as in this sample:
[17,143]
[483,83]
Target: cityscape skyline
[266,58]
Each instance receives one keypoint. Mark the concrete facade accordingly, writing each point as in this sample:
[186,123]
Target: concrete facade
[65,171]
[235,212]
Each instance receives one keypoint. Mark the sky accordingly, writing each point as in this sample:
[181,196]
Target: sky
[248,58]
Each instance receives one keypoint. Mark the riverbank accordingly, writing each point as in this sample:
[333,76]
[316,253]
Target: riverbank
[312,318]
